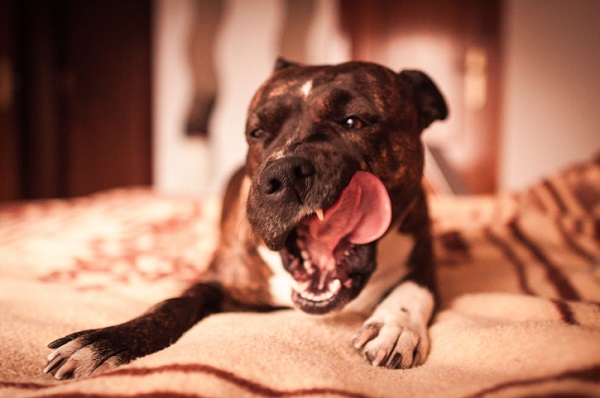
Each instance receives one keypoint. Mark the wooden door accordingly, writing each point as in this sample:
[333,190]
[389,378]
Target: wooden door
[82,98]
[457,42]
[9,138]
[107,94]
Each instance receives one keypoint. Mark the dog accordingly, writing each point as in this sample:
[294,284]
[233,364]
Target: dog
[328,213]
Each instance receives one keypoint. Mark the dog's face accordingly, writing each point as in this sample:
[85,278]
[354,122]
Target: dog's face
[335,157]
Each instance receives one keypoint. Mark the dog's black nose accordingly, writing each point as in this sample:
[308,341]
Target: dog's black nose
[287,179]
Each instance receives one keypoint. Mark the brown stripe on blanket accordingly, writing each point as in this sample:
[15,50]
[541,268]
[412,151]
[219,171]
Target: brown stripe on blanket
[154,394]
[571,243]
[587,196]
[563,287]
[565,311]
[570,192]
[591,374]
[241,382]
[511,256]
[454,241]
[547,201]
[555,196]
[23,386]
[454,247]
[174,394]
[582,185]
[535,199]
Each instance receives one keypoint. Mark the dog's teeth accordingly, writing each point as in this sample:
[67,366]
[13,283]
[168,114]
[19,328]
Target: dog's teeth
[304,254]
[335,286]
[320,215]
[318,297]
[300,287]
[308,266]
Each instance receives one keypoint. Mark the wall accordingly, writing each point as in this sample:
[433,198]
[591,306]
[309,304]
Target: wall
[246,49]
[552,87]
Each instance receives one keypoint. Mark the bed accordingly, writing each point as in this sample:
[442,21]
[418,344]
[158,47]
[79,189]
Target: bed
[519,279]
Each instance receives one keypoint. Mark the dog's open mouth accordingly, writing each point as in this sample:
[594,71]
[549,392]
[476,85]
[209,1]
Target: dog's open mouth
[329,253]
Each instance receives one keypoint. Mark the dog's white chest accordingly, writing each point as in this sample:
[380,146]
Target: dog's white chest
[393,251]
[280,282]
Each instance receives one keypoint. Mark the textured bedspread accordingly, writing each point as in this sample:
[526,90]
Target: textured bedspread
[519,279]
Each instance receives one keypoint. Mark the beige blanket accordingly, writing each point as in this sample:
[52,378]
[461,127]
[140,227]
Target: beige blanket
[520,301]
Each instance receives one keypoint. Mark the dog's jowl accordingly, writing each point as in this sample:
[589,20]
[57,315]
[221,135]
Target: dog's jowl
[327,214]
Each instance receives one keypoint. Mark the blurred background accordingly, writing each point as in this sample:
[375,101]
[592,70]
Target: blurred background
[110,93]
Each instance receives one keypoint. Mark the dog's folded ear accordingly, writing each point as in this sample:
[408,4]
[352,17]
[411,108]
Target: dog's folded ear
[429,100]
[282,63]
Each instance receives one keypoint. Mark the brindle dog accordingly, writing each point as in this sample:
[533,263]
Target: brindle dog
[328,213]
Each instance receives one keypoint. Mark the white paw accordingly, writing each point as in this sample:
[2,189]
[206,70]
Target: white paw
[395,336]
[392,343]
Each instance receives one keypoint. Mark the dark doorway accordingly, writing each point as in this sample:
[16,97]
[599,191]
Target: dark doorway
[79,115]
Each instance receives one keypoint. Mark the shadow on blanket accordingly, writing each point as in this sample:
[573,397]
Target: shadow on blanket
[520,301]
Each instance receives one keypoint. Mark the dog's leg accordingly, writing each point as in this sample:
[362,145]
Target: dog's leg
[395,336]
[82,353]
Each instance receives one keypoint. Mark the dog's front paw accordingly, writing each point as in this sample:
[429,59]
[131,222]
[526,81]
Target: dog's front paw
[394,342]
[82,353]
[395,336]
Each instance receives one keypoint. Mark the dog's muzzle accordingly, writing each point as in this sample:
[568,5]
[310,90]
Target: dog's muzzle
[326,243]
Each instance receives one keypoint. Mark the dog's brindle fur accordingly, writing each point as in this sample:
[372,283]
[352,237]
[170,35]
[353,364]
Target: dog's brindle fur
[309,130]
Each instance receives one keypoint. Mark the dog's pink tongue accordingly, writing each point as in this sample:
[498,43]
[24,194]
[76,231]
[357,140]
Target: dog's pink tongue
[362,214]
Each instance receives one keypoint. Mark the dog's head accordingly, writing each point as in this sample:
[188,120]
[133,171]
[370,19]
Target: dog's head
[335,157]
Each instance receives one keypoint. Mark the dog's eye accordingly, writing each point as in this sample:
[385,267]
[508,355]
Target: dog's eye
[353,122]
[258,134]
